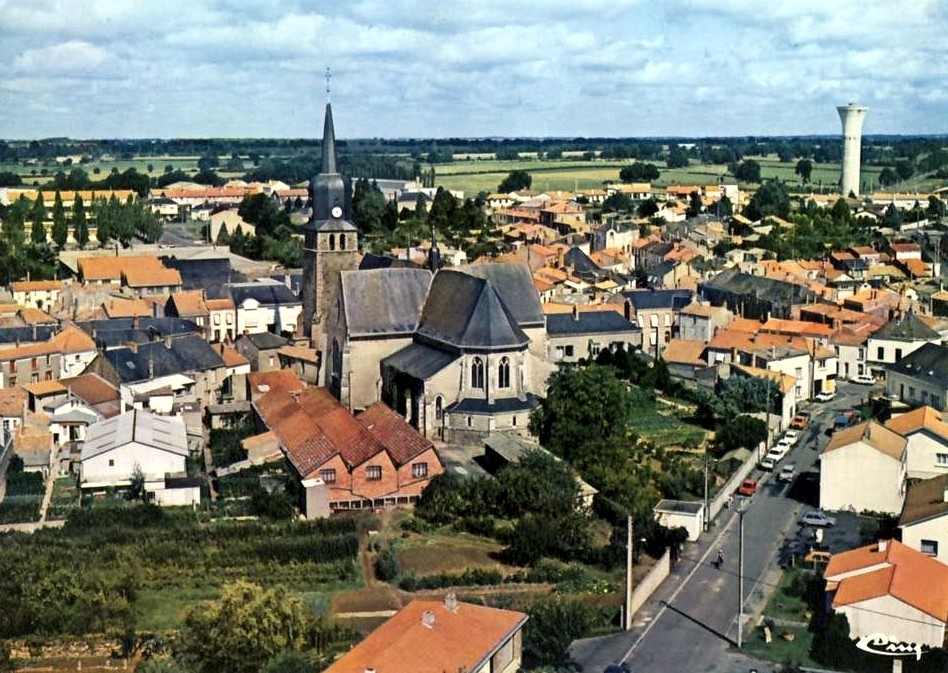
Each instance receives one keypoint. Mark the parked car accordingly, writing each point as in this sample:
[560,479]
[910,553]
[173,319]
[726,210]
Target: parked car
[816,555]
[800,421]
[818,519]
[787,473]
[863,379]
[769,462]
[783,444]
[825,397]
[792,436]
[779,450]
[748,487]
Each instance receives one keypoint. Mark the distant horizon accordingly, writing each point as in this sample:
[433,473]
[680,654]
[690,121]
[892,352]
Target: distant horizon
[123,69]
[811,136]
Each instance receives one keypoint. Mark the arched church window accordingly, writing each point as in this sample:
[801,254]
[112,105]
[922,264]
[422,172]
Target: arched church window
[332,241]
[503,373]
[477,373]
[342,241]
[439,408]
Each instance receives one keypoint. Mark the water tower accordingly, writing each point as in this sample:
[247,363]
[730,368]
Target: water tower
[852,116]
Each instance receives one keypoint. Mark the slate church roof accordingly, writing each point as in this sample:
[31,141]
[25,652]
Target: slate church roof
[464,312]
[383,301]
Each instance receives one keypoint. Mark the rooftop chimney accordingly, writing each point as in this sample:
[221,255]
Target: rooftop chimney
[428,619]
[883,545]
[451,602]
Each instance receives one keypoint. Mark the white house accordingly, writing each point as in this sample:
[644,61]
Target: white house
[41,294]
[265,306]
[898,338]
[116,448]
[927,448]
[863,469]
[889,588]
[924,520]
[70,420]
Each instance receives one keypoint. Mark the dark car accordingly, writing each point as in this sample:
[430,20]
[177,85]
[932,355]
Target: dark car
[617,668]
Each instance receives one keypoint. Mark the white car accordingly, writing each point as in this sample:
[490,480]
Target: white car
[768,463]
[863,379]
[787,473]
[791,437]
[818,519]
[781,448]
[825,397]
[774,455]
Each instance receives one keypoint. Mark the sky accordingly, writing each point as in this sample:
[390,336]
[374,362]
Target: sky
[426,69]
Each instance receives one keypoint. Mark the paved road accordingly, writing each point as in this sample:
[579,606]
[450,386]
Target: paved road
[690,624]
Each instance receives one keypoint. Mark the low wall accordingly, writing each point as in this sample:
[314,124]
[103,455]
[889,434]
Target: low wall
[724,495]
[651,581]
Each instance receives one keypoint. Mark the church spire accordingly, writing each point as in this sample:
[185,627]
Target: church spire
[329,134]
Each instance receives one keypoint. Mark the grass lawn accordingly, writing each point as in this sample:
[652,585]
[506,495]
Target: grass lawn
[662,427]
[783,606]
[160,609]
[446,553]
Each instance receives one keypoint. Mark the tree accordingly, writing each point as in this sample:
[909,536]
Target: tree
[38,221]
[832,645]
[677,157]
[208,162]
[804,169]
[515,181]
[905,168]
[936,208]
[892,217]
[694,205]
[551,629]
[743,431]
[618,202]
[368,206]
[772,198]
[8,179]
[648,207]
[60,228]
[80,230]
[444,209]
[244,629]
[748,171]
[888,177]
[582,404]
[639,172]
[725,208]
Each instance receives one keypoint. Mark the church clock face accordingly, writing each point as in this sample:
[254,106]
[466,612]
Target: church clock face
[336,211]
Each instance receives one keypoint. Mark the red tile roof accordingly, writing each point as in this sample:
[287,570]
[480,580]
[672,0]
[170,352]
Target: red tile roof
[462,639]
[36,285]
[91,389]
[401,440]
[12,402]
[895,570]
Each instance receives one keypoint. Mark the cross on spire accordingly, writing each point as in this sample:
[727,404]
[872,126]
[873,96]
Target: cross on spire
[328,82]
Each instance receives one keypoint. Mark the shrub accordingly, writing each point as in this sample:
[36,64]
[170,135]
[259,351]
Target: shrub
[387,567]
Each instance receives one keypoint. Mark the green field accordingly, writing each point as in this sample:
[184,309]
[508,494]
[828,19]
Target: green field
[660,425]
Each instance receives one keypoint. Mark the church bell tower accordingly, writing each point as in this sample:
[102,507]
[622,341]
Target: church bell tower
[330,240]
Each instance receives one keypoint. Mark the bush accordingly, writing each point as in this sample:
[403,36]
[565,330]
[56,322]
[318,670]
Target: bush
[387,567]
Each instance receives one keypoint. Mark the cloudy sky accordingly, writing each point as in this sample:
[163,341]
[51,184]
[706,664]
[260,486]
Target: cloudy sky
[419,68]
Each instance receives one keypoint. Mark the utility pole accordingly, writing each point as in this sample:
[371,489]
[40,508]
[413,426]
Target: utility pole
[740,578]
[707,514]
[628,574]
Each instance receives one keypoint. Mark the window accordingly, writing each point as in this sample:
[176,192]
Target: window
[898,354]
[48,377]
[271,360]
[911,392]
[342,241]
[332,241]
[419,470]
[513,421]
[941,459]
[111,463]
[33,363]
[880,353]
[594,347]
[569,351]
[559,352]
[477,373]
[470,421]
[328,475]
[503,373]
[373,472]
[217,318]
[439,408]
[34,377]
[230,318]
[929,547]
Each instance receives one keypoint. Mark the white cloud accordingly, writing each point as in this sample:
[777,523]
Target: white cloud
[67,57]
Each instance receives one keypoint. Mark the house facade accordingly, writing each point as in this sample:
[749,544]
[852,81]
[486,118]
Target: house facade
[920,378]
[927,442]
[863,469]
[924,518]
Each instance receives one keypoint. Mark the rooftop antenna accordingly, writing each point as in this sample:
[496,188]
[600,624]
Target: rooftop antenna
[328,83]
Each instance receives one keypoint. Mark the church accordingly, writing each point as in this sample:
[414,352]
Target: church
[459,352]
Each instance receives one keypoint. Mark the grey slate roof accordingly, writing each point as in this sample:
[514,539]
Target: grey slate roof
[582,265]
[594,322]
[661,270]
[907,328]
[735,282]
[119,331]
[186,354]
[384,301]
[655,299]
[13,335]
[466,312]
[206,274]
[514,284]
[265,340]
[929,363]
[267,294]
[504,405]
[419,361]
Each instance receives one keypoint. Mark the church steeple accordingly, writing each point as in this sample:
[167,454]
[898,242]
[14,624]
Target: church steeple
[329,143]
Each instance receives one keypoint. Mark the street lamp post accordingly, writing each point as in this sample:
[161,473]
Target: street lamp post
[740,577]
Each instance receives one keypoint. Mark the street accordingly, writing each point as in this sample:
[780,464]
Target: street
[690,623]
